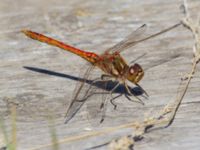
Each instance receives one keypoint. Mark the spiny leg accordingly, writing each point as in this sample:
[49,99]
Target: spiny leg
[113,99]
[111,92]
[136,101]
[106,98]
[129,92]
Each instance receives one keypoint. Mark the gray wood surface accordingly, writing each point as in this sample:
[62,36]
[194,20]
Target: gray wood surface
[94,26]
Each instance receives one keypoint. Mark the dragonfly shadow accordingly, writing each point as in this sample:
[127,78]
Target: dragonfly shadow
[110,85]
[100,84]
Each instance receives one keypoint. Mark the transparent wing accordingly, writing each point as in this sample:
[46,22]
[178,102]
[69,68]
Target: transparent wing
[93,92]
[129,40]
[97,103]
[80,95]
[137,37]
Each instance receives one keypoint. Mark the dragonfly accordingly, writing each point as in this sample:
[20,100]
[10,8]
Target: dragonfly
[112,64]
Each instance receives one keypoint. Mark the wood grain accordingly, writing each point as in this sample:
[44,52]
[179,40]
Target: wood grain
[46,90]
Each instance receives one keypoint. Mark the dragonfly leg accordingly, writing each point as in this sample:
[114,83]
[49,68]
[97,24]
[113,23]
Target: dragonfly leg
[130,93]
[113,99]
[102,106]
[109,92]
[136,101]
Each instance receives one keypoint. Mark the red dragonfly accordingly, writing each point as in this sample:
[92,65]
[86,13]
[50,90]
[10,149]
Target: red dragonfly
[110,62]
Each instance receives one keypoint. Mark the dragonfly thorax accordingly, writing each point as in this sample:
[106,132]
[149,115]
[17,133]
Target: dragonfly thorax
[113,64]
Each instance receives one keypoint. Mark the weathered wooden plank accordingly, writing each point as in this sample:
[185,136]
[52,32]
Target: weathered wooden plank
[94,26]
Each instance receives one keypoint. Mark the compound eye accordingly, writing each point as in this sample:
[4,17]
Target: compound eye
[131,70]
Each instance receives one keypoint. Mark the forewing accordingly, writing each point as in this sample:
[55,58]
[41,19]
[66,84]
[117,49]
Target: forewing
[129,41]
[136,37]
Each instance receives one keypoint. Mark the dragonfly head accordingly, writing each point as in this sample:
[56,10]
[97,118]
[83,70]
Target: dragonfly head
[135,73]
